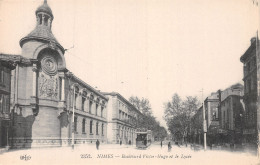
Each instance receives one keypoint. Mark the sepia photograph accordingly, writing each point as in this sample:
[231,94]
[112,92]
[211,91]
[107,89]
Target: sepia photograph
[130,82]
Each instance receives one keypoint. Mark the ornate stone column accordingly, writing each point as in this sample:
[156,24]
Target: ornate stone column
[62,92]
[34,69]
[34,99]
[62,87]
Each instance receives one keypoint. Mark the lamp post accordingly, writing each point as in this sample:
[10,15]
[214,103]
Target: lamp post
[241,126]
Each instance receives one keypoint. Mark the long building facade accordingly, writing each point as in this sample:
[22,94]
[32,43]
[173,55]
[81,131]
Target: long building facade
[49,105]
[231,115]
[122,119]
[250,95]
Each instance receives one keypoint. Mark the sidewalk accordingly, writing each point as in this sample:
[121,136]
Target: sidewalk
[90,146]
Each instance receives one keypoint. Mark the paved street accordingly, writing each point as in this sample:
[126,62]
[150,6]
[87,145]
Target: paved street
[109,153]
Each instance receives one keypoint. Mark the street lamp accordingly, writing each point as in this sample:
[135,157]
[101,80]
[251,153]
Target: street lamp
[73,109]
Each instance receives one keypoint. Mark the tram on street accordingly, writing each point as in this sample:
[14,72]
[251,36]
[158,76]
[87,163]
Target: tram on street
[143,138]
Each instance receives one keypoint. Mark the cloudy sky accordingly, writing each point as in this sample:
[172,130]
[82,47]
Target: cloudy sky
[145,48]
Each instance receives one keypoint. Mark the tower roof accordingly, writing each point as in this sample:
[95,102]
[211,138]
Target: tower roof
[42,31]
[44,8]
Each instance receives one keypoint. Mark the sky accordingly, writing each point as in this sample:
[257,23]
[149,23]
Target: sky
[144,48]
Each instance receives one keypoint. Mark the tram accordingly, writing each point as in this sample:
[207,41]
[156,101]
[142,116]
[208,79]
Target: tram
[143,138]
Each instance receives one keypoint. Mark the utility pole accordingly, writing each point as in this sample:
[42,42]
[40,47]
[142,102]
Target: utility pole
[204,124]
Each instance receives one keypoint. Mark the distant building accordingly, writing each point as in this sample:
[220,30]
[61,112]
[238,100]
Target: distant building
[122,119]
[231,115]
[250,94]
[44,94]
[212,116]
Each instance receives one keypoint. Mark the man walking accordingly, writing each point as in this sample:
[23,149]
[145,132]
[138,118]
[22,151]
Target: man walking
[169,147]
[97,144]
[161,143]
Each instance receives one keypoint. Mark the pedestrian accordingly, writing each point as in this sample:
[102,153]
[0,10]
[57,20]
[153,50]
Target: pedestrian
[145,142]
[120,142]
[97,144]
[129,142]
[169,147]
[161,143]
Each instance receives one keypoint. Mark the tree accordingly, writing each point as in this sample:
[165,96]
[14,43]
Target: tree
[178,113]
[147,120]
[143,105]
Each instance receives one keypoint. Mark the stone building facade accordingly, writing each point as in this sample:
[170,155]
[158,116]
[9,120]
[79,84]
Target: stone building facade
[212,103]
[250,94]
[122,119]
[90,111]
[6,66]
[231,115]
[45,94]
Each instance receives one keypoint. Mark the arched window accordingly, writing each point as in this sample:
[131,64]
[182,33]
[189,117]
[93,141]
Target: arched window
[75,123]
[83,126]
[102,111]
[90,126]
[102,129]
[90,103]
[97,104]
[84,96]
[76,94]
[97,128]
[96,109]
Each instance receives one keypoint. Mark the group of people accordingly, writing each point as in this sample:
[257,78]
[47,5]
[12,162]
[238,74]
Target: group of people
[98,143]
[169,146]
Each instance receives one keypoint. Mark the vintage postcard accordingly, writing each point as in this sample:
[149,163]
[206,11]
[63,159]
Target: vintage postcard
[129,82]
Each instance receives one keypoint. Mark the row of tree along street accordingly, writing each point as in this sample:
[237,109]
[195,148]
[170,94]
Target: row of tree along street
[221,122]
[178,114]
[226,119]
[148,121]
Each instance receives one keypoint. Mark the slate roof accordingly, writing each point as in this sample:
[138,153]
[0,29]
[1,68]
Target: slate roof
[44,8]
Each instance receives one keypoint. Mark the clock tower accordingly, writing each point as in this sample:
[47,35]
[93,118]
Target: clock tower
[40,91]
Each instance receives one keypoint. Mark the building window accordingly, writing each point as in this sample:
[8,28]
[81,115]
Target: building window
[1,76]
[90,106]
[102,129]
[1,103]
[75,124]
[90,126]
[96,109]
[76,94]
[97,128]
[120,114]
[102,111]
[83,125]
[83,101]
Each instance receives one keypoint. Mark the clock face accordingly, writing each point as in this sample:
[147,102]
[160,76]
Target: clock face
[49,65]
